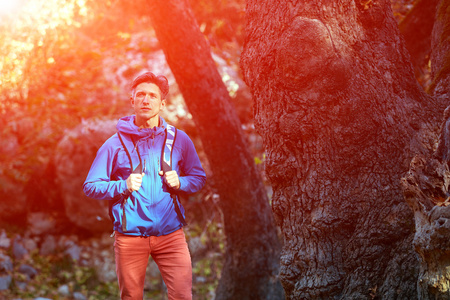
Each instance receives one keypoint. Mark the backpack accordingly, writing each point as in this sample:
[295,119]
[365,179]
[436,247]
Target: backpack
[166,165]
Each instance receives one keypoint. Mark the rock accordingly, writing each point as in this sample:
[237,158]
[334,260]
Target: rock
[79,296]
[196,246]
[40,223]
[19,251]
[74,252]
[28,270]
[6,264]
[63,290]
[5,282]
[153,278]
[5,242]
[67,241]
[106,240]
[152,269]
[29,244]
[85,255]
[21,285]
[48,246]
[95,244]
[73,158]
[105,267]
[200,279]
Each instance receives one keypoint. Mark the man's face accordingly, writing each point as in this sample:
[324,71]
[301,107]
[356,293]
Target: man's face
[147,102]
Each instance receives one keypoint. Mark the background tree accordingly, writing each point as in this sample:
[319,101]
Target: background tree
[251,258]
[416,28]
[341,116]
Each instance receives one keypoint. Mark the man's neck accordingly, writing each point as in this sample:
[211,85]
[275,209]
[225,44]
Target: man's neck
[150,123]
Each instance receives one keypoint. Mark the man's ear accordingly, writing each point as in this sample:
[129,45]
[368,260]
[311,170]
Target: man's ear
[163,103]
[131,101]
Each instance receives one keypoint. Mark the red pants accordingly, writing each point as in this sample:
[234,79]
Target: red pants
[171,254]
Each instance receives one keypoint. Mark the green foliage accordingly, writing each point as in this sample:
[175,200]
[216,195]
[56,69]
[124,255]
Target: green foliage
[222,22]
[207,268]
[59,269]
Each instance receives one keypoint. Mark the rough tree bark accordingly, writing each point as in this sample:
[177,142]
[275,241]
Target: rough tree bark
[426,186]
[416,28]
[252,252]
[341,116]
[440,55]
[426,190]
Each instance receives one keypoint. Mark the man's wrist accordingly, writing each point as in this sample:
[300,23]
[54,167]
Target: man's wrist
[179,183]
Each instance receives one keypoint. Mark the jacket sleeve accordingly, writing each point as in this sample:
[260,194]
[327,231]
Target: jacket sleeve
[193,177]
[98,184]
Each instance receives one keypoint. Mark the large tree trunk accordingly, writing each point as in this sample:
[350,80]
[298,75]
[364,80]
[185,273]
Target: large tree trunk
[416,28]
[252,253]
[341,116]
[426,186]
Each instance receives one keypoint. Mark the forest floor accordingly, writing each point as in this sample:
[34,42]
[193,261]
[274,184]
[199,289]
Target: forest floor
[64,267]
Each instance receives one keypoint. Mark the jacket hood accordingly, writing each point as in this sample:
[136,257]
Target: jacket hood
[126,125]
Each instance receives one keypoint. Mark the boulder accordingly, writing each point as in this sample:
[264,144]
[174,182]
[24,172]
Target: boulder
[18,249]
[74,156]
[5,242]
[48,246]
[6,264]
[5,282]
[28,270]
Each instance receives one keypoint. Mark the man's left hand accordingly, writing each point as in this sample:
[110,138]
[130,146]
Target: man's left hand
[171,179]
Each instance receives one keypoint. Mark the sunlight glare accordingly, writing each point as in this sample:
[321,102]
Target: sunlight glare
[24,25]
[8,6]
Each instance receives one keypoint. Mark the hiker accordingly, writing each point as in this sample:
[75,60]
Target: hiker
[133,171]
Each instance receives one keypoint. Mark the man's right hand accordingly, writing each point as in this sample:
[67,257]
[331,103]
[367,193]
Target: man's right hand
[134,182]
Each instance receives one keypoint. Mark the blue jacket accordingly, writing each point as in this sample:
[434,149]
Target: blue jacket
[150,210]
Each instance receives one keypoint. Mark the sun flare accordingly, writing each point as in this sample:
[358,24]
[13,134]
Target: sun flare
[8,6]
[24,26]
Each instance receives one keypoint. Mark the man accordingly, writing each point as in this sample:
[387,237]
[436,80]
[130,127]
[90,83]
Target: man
[145,218]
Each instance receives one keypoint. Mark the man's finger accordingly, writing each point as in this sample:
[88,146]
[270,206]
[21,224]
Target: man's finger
[171,174]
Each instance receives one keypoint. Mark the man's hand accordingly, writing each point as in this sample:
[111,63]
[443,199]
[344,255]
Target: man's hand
[134,182]
[171,179]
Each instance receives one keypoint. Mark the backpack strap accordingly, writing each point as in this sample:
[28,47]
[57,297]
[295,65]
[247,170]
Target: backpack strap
[129,146]
[166,153]
[166,165]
